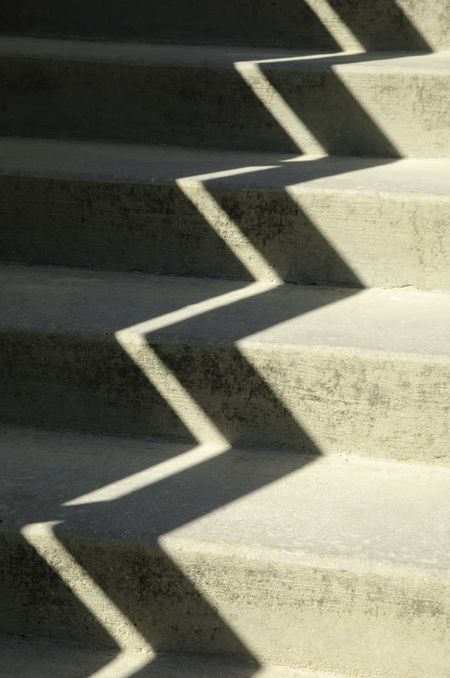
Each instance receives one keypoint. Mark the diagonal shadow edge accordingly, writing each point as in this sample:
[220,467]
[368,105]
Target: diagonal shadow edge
[93,565]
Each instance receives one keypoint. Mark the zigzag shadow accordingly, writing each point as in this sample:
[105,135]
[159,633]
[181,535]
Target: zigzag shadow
[175,615]
[36,96]
[177,238]
[159,599]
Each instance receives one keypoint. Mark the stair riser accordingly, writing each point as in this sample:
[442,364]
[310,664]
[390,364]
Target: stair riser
[307,236]
[214,106]
[117,226]
[305,616]
[289,23]
[314,400]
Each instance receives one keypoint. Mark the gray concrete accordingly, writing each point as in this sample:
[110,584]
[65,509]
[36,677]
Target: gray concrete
[323,370]
[38,658]
[408,24]
[157,94]
[277,493]
[336,564]
[323,221]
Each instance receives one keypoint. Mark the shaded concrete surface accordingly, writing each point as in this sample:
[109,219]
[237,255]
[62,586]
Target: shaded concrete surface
[38,658]
[318,369]
[138,189]
[408,24]
[287,556]
[236,568]
[119,206]
[87,90]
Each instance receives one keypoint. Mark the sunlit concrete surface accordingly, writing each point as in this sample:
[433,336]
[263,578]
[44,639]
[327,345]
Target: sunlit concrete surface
[298,218]
[292,555]
[267,100]
[323,370]
[207,467]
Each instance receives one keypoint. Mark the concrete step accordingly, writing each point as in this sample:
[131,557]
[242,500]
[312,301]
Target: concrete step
[386,24]
[322,370]
[341,565]
[24,657]
[378,104]
[334,221]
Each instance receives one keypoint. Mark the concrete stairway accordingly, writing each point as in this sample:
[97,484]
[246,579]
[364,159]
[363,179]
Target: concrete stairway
[225,324]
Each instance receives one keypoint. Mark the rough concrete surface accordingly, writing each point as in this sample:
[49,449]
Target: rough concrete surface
[37,658]
[270,493]
[156,94]
[403,24]
[24,657]
[313,220]
[323,370]
[331,565]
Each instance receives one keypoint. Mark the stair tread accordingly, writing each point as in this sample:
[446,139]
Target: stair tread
[222,97]
[333,512]
[268,554]
[216,55]
[137,163]
[178,309]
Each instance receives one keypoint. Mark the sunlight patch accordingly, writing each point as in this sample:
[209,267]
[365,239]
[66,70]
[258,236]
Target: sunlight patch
[150,476]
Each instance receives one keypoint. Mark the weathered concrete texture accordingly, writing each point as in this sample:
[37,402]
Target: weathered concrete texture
[157,94]
[39,658]
[317,220]
[336,564]
[24,657]
[322,370]
[400,24]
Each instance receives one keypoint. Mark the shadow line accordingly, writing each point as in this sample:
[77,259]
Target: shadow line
[162,603]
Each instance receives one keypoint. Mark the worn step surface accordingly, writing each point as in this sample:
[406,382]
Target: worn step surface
[386,24]
[339,564]
[277,100]
[323,370]
[165,210]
